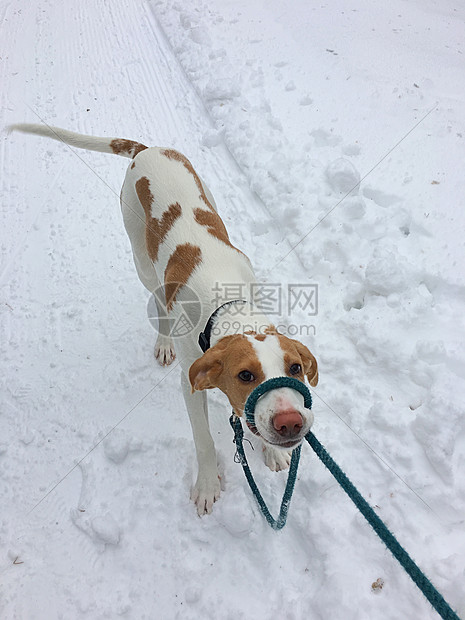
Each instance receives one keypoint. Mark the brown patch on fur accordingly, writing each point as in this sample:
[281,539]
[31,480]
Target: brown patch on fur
[210,219]
[120,146]
[177,156]
[145,195]
[133,165]
[270,330]
[220,366]
[155,229]
[297,353]
[181,264]
[214,224]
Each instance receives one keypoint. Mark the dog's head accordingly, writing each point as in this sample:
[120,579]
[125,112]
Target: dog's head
[238,364]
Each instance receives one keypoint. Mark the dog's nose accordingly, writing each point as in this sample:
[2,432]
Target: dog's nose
[288,423]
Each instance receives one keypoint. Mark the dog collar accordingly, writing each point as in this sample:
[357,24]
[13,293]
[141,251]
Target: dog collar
[204,337]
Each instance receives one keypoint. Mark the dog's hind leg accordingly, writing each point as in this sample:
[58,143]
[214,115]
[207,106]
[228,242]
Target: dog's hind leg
[134,222]
[164,348]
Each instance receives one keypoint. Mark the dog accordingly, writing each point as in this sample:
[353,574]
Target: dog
[180,245]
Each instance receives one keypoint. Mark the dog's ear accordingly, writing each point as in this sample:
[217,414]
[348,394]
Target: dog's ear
[309,362]
[205,371]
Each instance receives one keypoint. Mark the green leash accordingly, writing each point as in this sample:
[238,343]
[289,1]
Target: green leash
[425,585]
[280,522]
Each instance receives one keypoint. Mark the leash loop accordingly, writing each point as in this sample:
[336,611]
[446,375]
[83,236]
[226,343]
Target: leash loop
[280,522]
[273,384]
[249,411]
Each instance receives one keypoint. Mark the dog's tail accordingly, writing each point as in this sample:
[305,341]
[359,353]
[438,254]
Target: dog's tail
[117,146]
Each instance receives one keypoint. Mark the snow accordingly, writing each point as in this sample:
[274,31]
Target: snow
[340,119]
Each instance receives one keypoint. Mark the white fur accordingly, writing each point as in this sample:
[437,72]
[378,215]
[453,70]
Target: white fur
[71,138]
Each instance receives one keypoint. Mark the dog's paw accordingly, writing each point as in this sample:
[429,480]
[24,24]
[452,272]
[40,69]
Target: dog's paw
[276,459]
[164,351]
[205,493]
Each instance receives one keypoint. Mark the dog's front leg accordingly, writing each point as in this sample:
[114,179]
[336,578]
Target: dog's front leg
[207,488]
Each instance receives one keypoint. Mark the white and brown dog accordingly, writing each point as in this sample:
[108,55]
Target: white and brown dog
[179,241]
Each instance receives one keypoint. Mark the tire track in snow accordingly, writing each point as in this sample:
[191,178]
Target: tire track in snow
[224,170]
[31,224]
[144,87]
[225,161]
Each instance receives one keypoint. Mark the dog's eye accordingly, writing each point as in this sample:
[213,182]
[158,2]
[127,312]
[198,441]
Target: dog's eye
[295,369]
[246,376]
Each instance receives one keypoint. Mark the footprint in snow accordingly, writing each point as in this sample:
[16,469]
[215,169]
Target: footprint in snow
[379,197]
[103,530]
[343,176]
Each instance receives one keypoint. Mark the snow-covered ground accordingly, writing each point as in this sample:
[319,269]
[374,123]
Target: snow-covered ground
[282,107]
